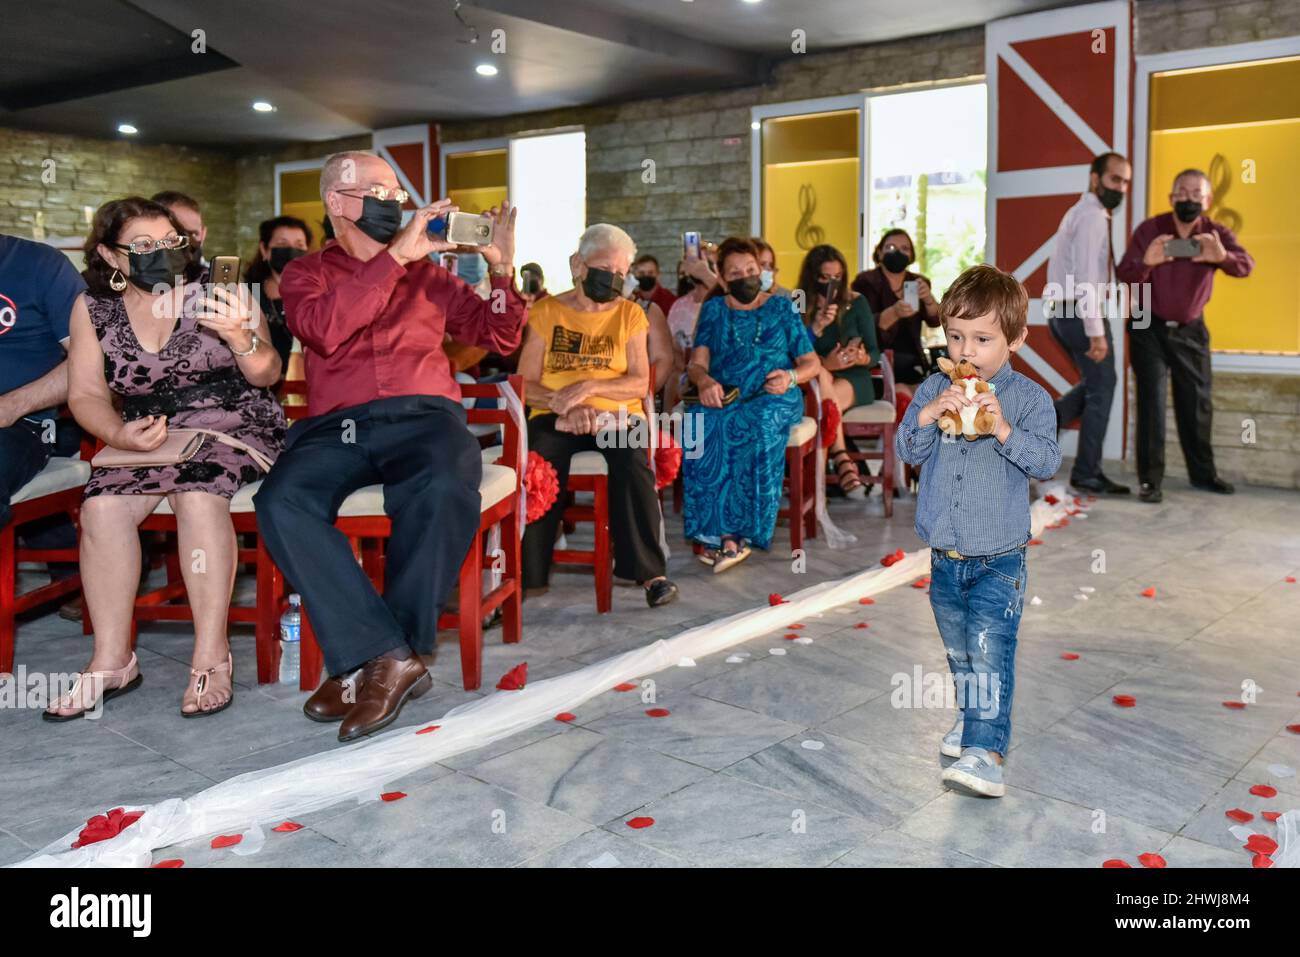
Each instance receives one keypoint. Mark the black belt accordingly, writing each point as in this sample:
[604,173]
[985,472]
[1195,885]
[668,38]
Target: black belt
[222,388]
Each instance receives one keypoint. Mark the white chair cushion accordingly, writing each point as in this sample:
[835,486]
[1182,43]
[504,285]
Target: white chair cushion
[588,463]
[242,501]
[878,412]
[480,429]
[492,453]
[801,433]
[497,482]
[59,475]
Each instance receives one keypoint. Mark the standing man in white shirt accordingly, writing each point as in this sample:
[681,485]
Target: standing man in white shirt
[1080,276]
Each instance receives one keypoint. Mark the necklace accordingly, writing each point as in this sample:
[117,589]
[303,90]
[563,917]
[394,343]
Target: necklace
[731,324]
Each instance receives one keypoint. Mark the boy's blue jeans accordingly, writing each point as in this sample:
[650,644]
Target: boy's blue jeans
[977,602]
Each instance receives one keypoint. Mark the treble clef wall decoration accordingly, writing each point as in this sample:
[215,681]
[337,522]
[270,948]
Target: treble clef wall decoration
[1220,183]
[807,234]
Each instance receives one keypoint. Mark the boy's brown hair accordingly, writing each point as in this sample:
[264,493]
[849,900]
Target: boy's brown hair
[983,289]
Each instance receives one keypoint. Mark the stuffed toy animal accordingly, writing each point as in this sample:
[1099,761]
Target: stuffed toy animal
[973,420]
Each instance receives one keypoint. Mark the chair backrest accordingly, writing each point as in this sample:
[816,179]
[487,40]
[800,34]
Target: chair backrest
[497,415]
[887,375]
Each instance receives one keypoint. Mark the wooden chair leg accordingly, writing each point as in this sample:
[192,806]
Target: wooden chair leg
[8,590]
[310,659]
[270,585]
[810,487]
[794,469]
[604,567]
[470,615]
[887,467]
[512,611]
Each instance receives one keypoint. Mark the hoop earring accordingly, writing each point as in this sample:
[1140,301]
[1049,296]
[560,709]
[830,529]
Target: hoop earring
[117,282]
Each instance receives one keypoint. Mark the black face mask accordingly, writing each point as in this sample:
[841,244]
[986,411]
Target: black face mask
[380,218]
[684,285]
[532,284]
[895,261]
[601,285]
[281,256]
[1187,210]
[646,282]
[158,268]
[1110,198]
[745,289]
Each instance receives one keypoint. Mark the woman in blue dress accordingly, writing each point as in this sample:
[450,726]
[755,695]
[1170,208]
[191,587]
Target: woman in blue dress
[754,345]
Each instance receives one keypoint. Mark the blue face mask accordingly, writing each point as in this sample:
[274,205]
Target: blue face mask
[471,267]
[767,277]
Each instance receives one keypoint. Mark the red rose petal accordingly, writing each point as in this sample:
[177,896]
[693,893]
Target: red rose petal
[1290,579]
[1264,791]
[1293,728]
[1050,499]
[640,822]
[1115,862]
[920,583]
[431,728]
[1039,541]
[1124,700]
[775,599]
[862,624]
[872,601]
[1270,815]
[790,637]
[1238,815]
[1261,844]
[226,840]
[288,827]
[170,862]
[794,627]
[1148,593]
[565,716]
[892,559]
[514,679]
[658,712]
[1235,705]
[1261,860]
[392,795]
[626,686]
[1152,860]
[1069,656]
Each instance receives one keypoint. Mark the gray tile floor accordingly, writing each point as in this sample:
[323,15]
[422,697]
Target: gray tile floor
[794,759]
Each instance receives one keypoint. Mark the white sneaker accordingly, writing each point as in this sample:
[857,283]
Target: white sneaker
[975,772]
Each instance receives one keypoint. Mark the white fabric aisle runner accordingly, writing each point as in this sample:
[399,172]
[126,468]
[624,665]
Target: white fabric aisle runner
[273,795]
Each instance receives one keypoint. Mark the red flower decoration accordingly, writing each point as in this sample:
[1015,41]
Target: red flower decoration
[658,712]
[514,679]
[640,822]
[226,840]
[790,637]
[565,716]
[1235,705]
[170,862]
[775,599]
[891,559]
[1124,700]
[830,422]
[1260,844]
[1261,860]
[920,582]
[1264,791]
[866,601]
[1069,656]
[626,686]
[862,624]
[1152,860]
[1148,593]
[1270,816]
[103,826]
[288,827]
[1050,499]
[1037,541]
[392,795]
[1238,815]
[543,486]
[668,461]
[1293,728]
[1115,862]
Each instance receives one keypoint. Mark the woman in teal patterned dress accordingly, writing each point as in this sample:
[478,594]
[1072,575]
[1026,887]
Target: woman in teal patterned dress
[756,344]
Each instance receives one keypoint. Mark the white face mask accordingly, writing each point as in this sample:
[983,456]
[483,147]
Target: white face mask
[767,277]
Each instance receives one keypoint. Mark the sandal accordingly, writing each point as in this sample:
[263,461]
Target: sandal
[199,686]
[733,552]
[851,484]
[128,679]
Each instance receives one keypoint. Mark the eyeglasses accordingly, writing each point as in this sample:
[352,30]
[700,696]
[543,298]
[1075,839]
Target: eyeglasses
[380,193]
[142,247]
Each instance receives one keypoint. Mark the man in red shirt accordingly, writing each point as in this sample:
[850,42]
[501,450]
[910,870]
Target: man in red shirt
[1170,339]
[371,311]
[647,289]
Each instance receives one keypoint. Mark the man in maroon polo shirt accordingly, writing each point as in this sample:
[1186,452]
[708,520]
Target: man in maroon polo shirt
[371,311]
[1170,338]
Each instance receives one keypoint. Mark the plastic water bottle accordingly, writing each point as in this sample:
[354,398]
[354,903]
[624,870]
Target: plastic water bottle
[290,623]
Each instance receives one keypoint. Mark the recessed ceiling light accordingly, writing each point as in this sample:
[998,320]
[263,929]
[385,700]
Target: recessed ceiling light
[262,106]
[485,69]
[127,128]
[752,1]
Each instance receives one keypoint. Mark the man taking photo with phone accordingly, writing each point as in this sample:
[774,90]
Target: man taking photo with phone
[1177,253]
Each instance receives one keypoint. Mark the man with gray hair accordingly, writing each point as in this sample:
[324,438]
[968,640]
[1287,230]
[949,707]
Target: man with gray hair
[372,311]
[1171,339]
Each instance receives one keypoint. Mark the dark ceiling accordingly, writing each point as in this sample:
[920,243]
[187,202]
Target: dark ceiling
[341,67]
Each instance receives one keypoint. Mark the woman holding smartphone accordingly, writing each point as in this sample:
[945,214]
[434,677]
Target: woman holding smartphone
[843,330]
[888,290]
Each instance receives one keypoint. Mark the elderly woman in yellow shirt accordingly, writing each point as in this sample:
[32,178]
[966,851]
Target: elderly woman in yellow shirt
[585,355]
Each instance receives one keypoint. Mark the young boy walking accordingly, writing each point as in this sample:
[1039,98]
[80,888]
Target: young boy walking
[973,512]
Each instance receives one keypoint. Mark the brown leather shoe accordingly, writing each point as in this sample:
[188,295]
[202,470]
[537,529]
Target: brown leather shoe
[334,698]
[385,686]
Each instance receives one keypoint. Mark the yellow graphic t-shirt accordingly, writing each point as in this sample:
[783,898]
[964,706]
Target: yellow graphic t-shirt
[586,345]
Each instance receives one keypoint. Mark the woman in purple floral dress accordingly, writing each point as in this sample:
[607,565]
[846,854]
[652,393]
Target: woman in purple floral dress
[145,357]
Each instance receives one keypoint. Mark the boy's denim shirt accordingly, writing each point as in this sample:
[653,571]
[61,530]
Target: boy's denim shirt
[975,494]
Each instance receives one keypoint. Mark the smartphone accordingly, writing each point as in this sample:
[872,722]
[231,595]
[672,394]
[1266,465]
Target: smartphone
[224,269]
[833,290]
[691,244]
[1183,248]
[912,293]
[448,261]
[855,343]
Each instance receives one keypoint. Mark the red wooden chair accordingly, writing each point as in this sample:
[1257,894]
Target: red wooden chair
[876,421]
[362,519]
[56,490]
[800,476]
